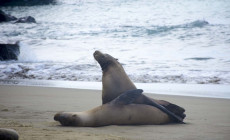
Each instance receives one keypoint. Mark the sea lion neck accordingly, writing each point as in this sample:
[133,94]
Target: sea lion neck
[105,66]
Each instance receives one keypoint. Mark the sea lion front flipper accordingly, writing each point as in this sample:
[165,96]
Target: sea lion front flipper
[127,97]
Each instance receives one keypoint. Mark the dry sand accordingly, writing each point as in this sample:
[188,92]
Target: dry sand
[30,111]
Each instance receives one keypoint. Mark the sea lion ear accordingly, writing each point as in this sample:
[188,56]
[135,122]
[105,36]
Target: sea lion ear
[127,97]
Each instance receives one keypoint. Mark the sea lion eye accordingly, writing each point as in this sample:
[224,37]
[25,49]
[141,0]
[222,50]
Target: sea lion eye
[103,57]
[116,59]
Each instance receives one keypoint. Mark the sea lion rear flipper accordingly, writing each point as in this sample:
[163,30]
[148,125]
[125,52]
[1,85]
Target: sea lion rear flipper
[127,97]
[179,111]
[172,115]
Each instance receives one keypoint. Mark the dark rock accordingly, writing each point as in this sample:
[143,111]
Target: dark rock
[27,19]
[25,2]
[6,17]
[9,51]
[8,134]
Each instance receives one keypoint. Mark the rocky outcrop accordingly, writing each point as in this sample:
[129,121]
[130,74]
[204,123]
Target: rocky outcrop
[8,134]
[27,19]
[25,2]
[6,18]
[9,51]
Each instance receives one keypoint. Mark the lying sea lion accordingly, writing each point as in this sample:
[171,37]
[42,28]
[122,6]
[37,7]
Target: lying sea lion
[120,111]
[115,81]
[8,134]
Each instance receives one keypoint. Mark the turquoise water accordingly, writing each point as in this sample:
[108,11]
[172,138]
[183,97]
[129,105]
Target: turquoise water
[183,41]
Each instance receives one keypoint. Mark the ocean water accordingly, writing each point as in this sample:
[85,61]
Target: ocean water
[183,41]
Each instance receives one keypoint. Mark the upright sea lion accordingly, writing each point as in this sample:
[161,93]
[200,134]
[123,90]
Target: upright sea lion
[120,111]
[115,81]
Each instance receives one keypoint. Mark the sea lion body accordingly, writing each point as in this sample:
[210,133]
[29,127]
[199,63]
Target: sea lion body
[123,104]
[112,114]
[113,84]
[107,114]
[115,81]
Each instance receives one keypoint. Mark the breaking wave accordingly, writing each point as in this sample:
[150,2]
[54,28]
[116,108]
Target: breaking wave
[51,30]
[159,29]
[90,72]
[138,31]
[159,41]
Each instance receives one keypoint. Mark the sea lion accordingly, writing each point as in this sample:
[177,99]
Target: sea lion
[8,134]
[120,111]
[115,81]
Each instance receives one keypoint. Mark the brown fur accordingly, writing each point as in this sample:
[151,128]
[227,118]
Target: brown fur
[107,114]
[115,81]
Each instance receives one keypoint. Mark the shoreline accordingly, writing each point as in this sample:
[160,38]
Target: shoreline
[190,90]
[30,110]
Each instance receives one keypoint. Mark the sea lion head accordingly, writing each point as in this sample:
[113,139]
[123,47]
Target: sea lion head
[105,60]
[67,119]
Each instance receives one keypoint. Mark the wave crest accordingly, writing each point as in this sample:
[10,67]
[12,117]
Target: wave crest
[159,29]
[88,72]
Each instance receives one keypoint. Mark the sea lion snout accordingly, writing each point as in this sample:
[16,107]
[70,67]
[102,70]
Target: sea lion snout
[97,54]
[57,116]
[66,119]
[103,59]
